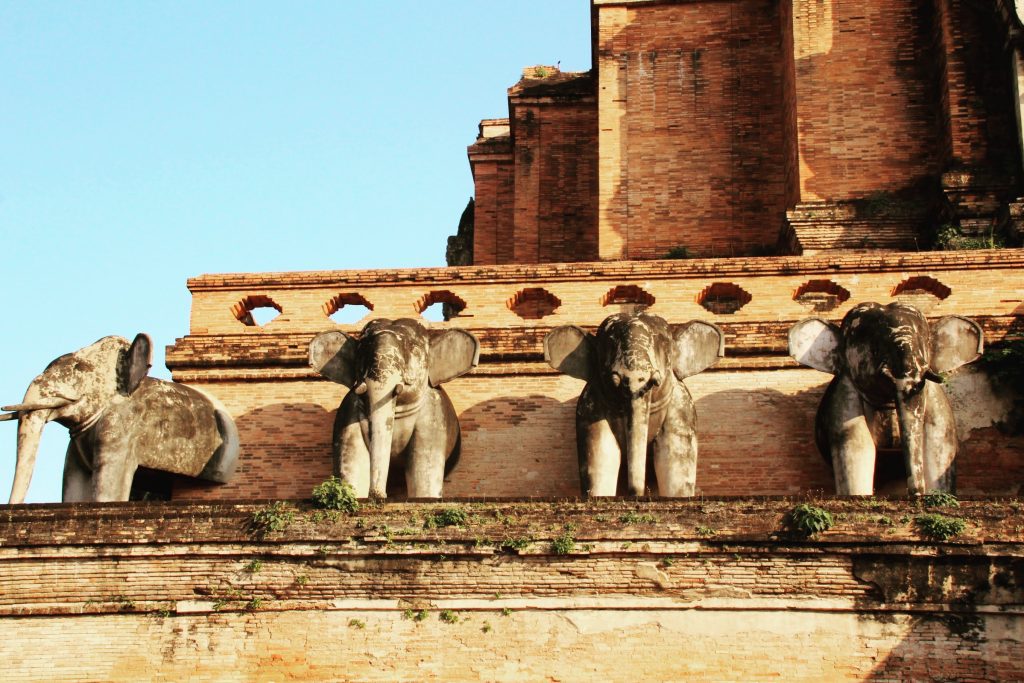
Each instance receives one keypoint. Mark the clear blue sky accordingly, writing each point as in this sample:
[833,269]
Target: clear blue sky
[144,143]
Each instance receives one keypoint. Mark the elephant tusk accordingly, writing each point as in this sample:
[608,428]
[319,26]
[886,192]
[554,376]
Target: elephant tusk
[8,416]
[41,404]
[360,389]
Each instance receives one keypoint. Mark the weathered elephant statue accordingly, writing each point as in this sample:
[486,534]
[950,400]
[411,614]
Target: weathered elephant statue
[396,412]
[634,366]
[119,420]
[886,358]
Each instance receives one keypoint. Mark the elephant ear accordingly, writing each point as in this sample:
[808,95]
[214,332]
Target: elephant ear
[699,345]
[333,355]
[568,349]
[135,364]
[815,343]
[956,341]
[452,353]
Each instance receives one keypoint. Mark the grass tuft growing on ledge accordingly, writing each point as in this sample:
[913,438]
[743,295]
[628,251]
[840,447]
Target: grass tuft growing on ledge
[334,494]
[807,520]
[939,499]
[564,544]
[274,517]
[510,544]
[443,517]
[633,517]
[939,527]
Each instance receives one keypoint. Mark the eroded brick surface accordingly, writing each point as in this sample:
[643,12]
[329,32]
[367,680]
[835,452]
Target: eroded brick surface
[173,591]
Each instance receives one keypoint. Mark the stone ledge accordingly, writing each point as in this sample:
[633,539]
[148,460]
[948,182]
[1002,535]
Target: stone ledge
[987,259]
[994,523]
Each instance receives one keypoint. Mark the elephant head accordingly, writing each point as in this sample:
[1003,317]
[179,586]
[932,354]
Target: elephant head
[887,357]
[632,366]
[102,394]
[392,370]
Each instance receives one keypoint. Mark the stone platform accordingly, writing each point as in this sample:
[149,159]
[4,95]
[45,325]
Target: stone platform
[570,590]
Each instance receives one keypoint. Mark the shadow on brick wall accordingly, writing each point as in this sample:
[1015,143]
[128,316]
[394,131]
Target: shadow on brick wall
[760,442]
[515,447]
[286,451]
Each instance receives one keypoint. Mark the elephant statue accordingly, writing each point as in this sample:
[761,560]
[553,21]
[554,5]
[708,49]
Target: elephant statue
[396,412]
[634,368]
[120,419]
[886,358]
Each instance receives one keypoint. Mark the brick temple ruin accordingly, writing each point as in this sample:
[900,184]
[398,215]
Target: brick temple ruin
[745,162]
[803,157]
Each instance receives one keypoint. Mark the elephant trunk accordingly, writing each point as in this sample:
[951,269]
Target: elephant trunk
[30,430]
[381,433]
[636,449]
[910,409]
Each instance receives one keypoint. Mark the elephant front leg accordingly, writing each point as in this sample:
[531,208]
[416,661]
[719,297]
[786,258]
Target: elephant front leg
[940,440]
[675,448]
[424,473]
[77,476]
[850,441]
[600,459]
[112,477]
[675,461]
[426,455]
[352,459]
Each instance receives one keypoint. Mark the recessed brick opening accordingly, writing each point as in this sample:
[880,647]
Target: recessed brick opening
[922,284]
[922,292]
[533,303]
[629,298]
[723,298]
[256,310]
[448,304]
[347,308]
[820,296]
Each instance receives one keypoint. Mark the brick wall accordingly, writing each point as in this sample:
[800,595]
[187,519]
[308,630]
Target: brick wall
[555,178]
[715,119]
[536,183]
[866,102]
[493,176]
[692,130]
[755,409]
[975,78]
[172,591]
